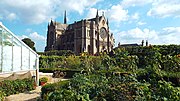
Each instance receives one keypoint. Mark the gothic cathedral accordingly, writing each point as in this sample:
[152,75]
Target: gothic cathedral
[88,35]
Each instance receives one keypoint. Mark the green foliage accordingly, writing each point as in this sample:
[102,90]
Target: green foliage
[57,53]
[2,95]
[97,87]
[51,70]
[71,62]
[30,43]
[50,61]
[170,63]
[122,59]
[93,87]
[46,90]
[165,91]
[43,79]
[137,73]
[17,86]
[168,49]
[68,72]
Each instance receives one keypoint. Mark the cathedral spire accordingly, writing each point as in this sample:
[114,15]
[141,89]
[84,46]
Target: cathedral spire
[102,13]
[107,21]
[97,17]
[51,22]
[65,20]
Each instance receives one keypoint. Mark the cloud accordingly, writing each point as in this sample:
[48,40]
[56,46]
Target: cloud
[36,36]
[11,16]
[28,30]
[40,41]
[140,23]
[167,35]
[23,36]
[137,34]
[170,35]
[165,8]
[1,17]
[29,11]
[93,11]
[135,16]
[76,5]
[133,3]
[36,12]
[117,13]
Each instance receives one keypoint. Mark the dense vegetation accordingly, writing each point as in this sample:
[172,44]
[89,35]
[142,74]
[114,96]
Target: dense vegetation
[9,87]
[131,73]
[57,53]
[30,43]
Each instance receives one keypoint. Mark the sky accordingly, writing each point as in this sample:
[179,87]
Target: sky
[130,21]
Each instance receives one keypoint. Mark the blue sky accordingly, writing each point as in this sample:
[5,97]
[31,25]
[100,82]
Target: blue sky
[131,21]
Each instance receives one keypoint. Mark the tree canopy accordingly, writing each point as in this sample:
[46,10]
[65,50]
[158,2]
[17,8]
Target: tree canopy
[30,43]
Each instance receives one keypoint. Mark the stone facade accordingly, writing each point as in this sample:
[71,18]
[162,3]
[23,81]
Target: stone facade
[88,35]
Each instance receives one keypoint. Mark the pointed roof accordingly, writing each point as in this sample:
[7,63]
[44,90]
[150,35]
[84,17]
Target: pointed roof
[107,21]
[65,20]
[51,23]
[97,15]
[102,13]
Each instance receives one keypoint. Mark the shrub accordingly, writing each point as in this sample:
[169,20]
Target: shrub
[49,88]
[58,53]
[2,95]
[43,79]
[91,87]
[68,72]
[17,86]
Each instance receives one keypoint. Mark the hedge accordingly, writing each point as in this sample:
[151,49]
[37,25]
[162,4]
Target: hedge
[48,88]
[9,87]
[174,77]
[70,62]
[57,52]
[2,95]
[69,73]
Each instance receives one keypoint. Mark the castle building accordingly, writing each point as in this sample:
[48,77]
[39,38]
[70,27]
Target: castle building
[88,35]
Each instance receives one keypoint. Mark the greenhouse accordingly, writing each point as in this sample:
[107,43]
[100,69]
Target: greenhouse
[17,60]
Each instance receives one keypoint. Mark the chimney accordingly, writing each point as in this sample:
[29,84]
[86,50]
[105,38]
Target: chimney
[146,42]
[142,43]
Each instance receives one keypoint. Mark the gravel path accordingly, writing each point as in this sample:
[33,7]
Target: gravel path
[27,96]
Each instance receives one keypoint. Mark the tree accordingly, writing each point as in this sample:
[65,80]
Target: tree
[30,43]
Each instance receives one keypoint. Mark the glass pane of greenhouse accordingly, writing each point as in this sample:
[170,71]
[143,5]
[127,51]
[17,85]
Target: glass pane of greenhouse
[32,61]
[14,54]
[7,51]
[0,49]
[25,58]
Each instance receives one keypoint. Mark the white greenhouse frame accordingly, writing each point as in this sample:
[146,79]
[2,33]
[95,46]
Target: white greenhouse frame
[15,55]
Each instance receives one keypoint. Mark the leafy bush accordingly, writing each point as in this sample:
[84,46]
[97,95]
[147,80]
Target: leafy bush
[97,87]
[49,88]
[170,63]
[43,79]
[140,73]
[92,87]
[71,62]
[17,86]
[58,53]
[68,73]
[50,61]
[2,95]
[165,91]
